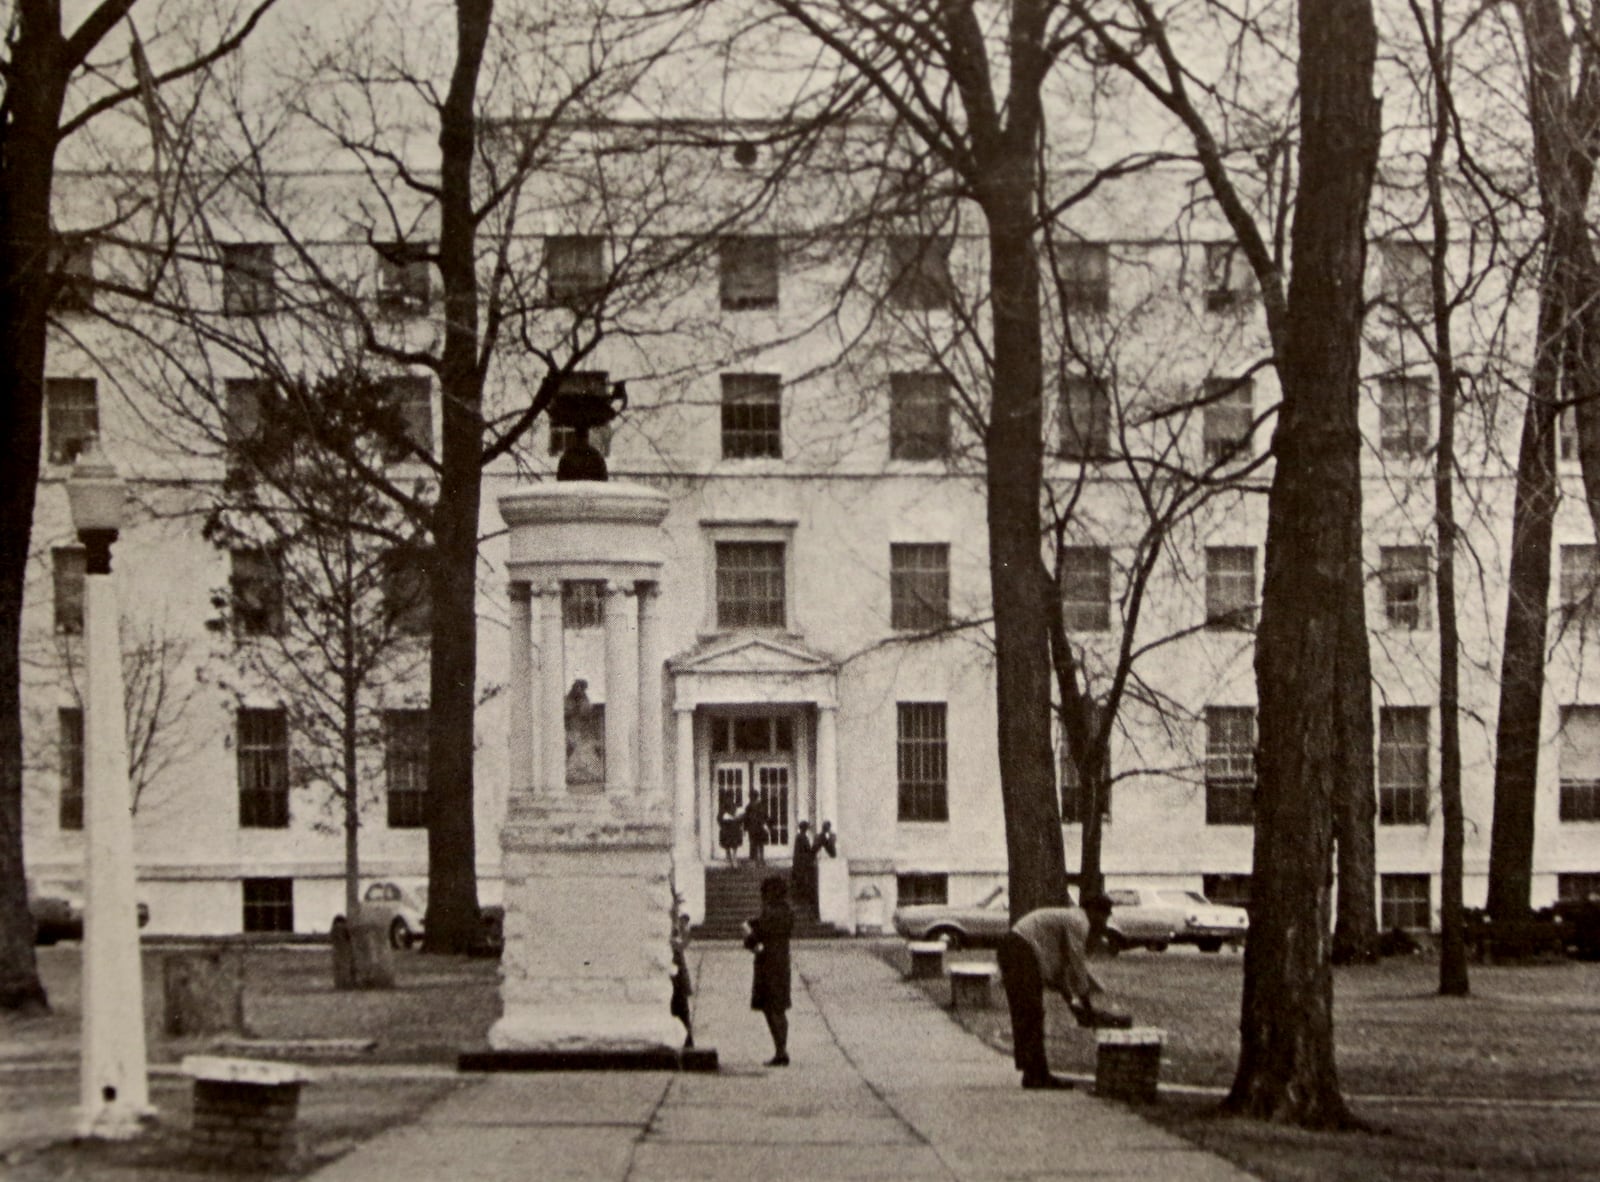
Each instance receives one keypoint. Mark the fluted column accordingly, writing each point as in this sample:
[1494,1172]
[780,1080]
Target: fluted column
[552,721]
[622,686]
[683,787]
[828,765]
[649,711]
[519,703]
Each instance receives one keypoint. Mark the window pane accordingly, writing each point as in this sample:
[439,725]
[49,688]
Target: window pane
[1407,275]
[1230,765]
[919,416]
[751,415]
[1085,419]
[409,399]
[1405,576]
[249,287]
[72,267]
[1580,763]
[406,766]
[1580,574]
[747,272]
[404,281]
[1085,269]
[919,272]
[263,766]
[914,890]
[575,268]
[1229,413]
[256,587]
[921,761]
[1405,901]
[406,592]
[1230,587]
[919,585]
[69,731]
[1403,765]
[1230,283]
[72,413]
[69,567]
[1405,417]
[750,585]
[1086,588]
[268,904]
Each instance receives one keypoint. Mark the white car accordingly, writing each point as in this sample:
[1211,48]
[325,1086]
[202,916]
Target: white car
[1189,916]
[404,909]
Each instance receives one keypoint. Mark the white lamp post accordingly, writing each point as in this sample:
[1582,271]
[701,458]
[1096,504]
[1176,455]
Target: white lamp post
[114,1087]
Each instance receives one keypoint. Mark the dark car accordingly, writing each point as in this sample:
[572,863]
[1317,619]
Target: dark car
[57,912]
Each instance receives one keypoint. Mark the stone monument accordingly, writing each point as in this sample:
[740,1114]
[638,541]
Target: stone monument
[587,843]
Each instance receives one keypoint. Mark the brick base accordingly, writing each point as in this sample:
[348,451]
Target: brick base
[245,1125]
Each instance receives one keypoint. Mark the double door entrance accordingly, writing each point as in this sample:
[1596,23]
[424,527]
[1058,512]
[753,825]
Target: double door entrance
[756,752]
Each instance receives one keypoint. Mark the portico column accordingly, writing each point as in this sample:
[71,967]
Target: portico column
[519,705]
[622,686]
[828,765]
[649,712]
[552,721]
[683,786]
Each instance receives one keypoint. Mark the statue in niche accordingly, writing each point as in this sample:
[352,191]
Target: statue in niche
[586,738]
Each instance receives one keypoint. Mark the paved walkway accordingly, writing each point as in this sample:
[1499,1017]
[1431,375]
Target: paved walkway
[884,1086]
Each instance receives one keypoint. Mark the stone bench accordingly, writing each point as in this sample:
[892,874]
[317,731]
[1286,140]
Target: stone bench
[244,1111]
[969,985]
[927,959]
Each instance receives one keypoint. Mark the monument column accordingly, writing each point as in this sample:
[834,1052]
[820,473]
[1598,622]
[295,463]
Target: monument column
[552,722]
[828,765]
[520,730]
[649,700]
[622,686]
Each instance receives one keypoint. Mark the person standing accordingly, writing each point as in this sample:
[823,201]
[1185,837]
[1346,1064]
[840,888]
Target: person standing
[803,872]
[1046,947]
[755,826]
[767,935]
[730,827]
[682,985]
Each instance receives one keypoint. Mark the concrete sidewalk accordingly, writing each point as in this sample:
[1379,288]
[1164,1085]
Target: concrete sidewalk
[883,1086]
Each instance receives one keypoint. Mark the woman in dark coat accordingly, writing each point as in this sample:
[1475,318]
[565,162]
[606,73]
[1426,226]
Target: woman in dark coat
[730,826]
[767,935]
[803,872]
[755,826]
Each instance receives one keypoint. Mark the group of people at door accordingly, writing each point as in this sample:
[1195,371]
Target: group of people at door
[752,822]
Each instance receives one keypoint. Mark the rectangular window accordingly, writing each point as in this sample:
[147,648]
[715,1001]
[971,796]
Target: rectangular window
[72,413]
[69,747]
[920,889]
[405,286]
[409,397]
[1567,435]
[1403,765]
[583,603]
[1085,276]
[249,282]
[405,759]
[1086,588]
[919,585]
[1580,763]
[268,904]
[1231,587]
[1085,419]
[1578,887]
[752,416]
[747,273]
[575,268]
[1407,281]
[1230,281]
[919,272]
[921,760]
[1230,889]
[406,592]
[242,424]
[1074,800]
[1229,417]
[750,585]
[1580,575]
[919,416]
[591,382]
[263,758]
[1230,765]
[1405,417]
[255,585]
[1404,901]
[72,270]
[1405,575]
[68,569]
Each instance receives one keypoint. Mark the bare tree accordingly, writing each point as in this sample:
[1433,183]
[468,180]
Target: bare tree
[52,92]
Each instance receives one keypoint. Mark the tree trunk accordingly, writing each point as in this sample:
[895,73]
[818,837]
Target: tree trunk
[1355,930]
[1311,642]
[34,94]
[352,809]
[452,920]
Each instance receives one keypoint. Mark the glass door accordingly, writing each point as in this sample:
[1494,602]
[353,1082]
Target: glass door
[773,780]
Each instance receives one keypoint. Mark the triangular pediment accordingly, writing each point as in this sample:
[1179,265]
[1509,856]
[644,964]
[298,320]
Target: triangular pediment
[753,655]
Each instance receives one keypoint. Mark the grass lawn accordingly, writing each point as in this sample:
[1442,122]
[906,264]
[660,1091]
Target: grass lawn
[440,1005]
[1502,1084]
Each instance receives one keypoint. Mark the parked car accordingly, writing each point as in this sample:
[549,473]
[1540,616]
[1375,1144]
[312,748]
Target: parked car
[57,911]
[983,923]
[1157,916]
[403,909]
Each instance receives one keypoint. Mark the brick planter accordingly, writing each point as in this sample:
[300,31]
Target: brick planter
[244,1112]
[1128,1064]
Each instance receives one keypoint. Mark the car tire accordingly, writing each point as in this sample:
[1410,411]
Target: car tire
[1209,945]
[1157,946]
[951,937]
[399,934]
[1116,943]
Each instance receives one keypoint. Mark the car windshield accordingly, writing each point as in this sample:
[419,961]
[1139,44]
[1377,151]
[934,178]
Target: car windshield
[1185,898]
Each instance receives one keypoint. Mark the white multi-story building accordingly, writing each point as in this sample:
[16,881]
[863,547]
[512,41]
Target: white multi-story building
[810,406]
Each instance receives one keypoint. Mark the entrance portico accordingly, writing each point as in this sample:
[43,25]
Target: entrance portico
[752,712]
